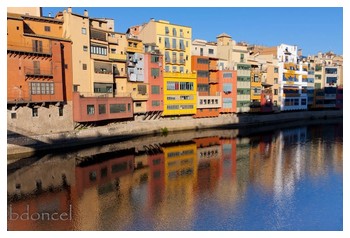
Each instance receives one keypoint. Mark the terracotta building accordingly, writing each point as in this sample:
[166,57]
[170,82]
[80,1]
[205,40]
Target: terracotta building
[39,75]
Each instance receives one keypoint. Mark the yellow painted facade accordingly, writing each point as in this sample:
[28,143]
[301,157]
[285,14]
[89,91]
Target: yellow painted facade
[180,164]
[174,42]
[180,94]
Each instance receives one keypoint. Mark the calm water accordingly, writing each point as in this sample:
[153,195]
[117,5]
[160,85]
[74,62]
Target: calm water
[287,179]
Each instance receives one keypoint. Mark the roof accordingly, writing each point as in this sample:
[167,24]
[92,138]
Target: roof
[223,35]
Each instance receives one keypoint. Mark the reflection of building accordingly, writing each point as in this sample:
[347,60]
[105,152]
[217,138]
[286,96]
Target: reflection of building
[180,177]
[209,157]
[41,188]
[156,186]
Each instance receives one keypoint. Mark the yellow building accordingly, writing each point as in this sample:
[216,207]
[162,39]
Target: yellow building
[180,94]
[174,42]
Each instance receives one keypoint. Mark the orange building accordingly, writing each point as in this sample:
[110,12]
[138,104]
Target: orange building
[208,95]
[39,74]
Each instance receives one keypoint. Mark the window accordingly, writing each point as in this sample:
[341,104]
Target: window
[227,87]
[84,66]
[275,91]
[42,88]
[160,40]
[155,72]
[227,102]
[35,112]
[13,115]
[85,48]
[167,57]
[75,88]
[227,75]
[98,50]
[166,30]
[202,74]
[113,51]
[155,89]
[90,109]
[202,61]
[101,108]
[92,176]
[174,32]
[174,43]
[166,43]
[182,46]
[37,46]
[303,101]
[104,172]
[47,28]
[275,70]
[155,103]
[103,87]
[117,108]
[154,58]
[242,58]
[142,89]
[36,66]
[275,80]
[60,111]
[83,30]
[138,104]
[211,51]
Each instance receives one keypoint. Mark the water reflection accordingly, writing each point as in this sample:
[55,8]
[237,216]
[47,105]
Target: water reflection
[217,180]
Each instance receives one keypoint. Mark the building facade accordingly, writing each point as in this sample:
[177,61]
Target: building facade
[39,75]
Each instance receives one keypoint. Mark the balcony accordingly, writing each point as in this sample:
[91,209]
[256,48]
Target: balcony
[38,72]
[98,35]
[103,76]
[14,47]
[208,101]
[117,57]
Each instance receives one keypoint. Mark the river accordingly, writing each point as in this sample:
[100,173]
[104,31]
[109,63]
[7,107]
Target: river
[290,178]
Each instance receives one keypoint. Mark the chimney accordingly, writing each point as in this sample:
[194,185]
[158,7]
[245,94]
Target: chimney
[69,10]
[86,13]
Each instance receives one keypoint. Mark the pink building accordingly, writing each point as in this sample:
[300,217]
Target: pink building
[154,79]
[228,89]
[89,109]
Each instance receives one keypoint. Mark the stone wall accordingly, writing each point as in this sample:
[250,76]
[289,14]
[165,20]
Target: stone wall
[131,129]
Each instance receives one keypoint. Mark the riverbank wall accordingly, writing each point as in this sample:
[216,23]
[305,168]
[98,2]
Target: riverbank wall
[28,145]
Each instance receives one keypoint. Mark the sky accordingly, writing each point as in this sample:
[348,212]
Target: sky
[312,29]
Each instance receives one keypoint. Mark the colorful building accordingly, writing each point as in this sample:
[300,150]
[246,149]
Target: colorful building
[155,81]
[180,96]
[236,55]
[229,92]
[39,74]
[208,94]
[99,66]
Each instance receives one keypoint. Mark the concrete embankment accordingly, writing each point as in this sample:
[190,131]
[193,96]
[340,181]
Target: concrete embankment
[25,144]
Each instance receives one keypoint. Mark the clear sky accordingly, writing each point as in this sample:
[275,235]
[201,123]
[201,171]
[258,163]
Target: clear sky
[312,29]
